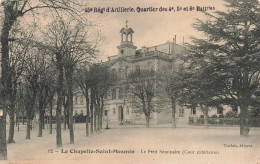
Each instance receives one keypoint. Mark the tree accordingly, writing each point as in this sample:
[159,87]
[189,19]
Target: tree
[68,43]
[12,10]
[35,77]
[232,37]
[172,81]
[83,80]
[142,84]
[202,86]
[19,47]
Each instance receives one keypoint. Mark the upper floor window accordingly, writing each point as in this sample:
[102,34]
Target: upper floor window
[81,99]
[105,95]
[120,73]
[76,99]
[113,94]
[126,71]
[120,95]
[137,68]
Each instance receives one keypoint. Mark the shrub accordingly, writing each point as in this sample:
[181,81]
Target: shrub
[191,120]
[214,116]
[221,116]
[231,118]
[231,114]
[254,112]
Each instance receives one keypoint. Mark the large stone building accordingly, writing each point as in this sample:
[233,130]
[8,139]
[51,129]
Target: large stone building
[118,107]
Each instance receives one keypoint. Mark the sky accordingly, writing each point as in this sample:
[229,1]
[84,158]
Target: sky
[150,28]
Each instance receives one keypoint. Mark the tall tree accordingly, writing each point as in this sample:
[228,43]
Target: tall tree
[83,81]
[142,84]
[12,10]
[233,38]
[69,42]
[172,81]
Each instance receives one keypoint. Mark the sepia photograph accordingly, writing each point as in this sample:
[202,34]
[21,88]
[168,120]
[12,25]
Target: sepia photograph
[130,82]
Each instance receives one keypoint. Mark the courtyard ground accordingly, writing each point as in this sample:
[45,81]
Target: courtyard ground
[138,145]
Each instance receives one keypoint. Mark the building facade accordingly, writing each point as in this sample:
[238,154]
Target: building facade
[118,107]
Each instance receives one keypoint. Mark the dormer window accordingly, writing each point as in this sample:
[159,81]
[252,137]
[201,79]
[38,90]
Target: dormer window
[122,52]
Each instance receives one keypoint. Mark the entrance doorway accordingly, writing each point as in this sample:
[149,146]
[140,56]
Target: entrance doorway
[120,114]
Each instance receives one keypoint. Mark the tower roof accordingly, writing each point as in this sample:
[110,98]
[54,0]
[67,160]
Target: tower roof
[126,30]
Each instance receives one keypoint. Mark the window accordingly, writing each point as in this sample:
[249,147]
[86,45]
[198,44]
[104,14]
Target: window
[76,99]
[137,68]
[220,110]
[127,110]
[81,112]
[193,110]
[120,95]
[235,109]
[113,94]
[81,99]
[126,73]
[181,112]
[106,112]
[114,111]
[76,112]
[120,74]
[150,67]
[105,95]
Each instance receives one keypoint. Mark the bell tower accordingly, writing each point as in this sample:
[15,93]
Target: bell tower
[126,47]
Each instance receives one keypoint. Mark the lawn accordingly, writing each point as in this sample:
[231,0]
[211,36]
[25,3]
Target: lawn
[126,144]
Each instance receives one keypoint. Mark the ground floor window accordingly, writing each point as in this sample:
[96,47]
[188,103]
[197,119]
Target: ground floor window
[220,110]
[114,111]
[127,111]
[193,111]
[181,112]
[106,111]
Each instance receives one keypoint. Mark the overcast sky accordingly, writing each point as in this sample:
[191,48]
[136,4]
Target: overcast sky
[150,28]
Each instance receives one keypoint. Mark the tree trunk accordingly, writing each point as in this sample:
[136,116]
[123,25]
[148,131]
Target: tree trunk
[8,21]
[64,112]
[101,110]
[70,102]
[50,120]
[40,125]
[205,110]
[3,146]
[11,127]
[173,113]
[41,106]
[43,121]
[28,126]
[59,101]
[64,118]
[95,120]
[97,111]
[91,112]
[244,123]
[87,108]
[147,122]
[16,119]
[23,118]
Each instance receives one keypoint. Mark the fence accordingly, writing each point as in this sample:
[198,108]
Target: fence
[253,122]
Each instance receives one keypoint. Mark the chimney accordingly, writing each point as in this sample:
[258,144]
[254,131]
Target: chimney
[183,41]
[175,38]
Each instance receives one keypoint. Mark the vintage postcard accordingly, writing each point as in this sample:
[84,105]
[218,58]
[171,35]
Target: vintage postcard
[137,81]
